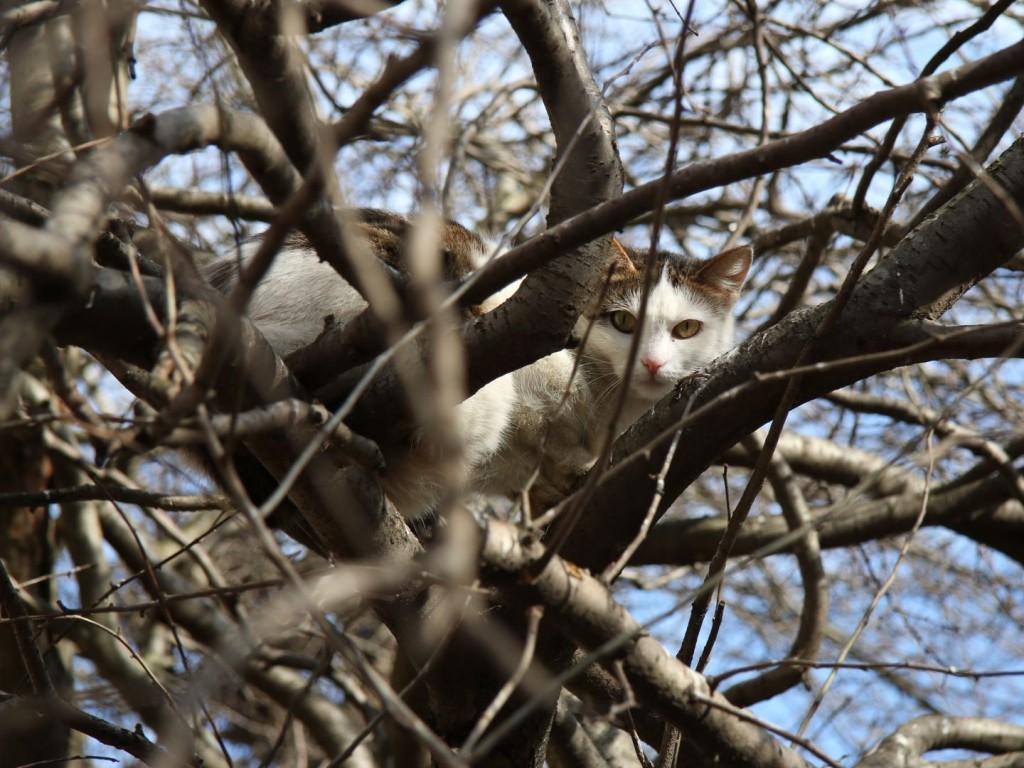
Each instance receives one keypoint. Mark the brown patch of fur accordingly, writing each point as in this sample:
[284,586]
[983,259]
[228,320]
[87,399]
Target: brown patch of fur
[387,234]
[714,291]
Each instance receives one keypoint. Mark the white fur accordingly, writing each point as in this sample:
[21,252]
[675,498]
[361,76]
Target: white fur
[298,295]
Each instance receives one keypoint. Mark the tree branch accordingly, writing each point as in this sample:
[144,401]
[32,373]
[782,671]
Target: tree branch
[926,270]
[592,618]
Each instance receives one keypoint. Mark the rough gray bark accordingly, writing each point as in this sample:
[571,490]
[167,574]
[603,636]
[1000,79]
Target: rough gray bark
[593,619]
[890,321]
[911,741]
[933,265]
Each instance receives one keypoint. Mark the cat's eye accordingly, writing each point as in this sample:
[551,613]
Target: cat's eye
[623,321]
[687,329]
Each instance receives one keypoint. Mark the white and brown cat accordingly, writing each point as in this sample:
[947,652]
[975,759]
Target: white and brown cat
[540,416]
[688,323]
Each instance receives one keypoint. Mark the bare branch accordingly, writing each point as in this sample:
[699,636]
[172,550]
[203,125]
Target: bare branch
[595,620]
[916,738]
[974,222]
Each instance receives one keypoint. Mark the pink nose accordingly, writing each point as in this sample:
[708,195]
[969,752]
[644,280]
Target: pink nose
[653,366]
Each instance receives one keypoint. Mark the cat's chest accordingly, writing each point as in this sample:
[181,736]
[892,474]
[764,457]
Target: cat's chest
[552,399]
[553,428]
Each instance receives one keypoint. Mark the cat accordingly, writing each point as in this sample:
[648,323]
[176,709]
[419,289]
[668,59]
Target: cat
[559,419]
[541,417]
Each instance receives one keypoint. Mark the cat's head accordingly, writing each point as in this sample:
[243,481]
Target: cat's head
[688,321]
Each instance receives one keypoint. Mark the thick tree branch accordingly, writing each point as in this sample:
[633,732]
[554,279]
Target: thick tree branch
[592,618]
[684,542]
[551,298]
[590,174]
[811,144]
[324,14]
[913,740]
[926,271]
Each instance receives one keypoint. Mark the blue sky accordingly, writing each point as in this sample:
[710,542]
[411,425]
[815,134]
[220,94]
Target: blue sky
[907,618]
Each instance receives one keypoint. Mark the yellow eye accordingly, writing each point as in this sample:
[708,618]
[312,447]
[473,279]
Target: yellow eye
[687,329]
[623,321]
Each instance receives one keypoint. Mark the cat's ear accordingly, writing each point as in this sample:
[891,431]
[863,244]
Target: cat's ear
[727,270]
[622,257]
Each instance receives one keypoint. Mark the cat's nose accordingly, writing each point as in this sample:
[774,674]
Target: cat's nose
[652,365]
